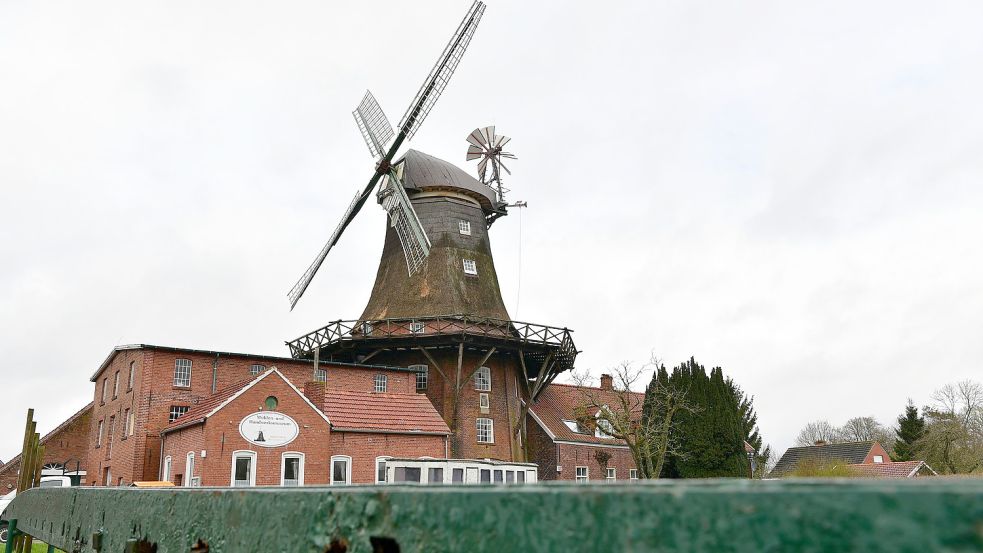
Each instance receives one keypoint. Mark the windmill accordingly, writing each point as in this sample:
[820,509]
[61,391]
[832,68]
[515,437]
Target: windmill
[377,132]
[488,146]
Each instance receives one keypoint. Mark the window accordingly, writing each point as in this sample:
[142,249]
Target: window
[610,474]
[367,328]
[116,385]
[243,469]
[576,427]
[482,379]
[126,423]
[486,476]
[105,382]
[483,403]
[109,437]
[189,469]
[380,383]
[99,435]
[131,422]
[380,470]
[633,474]
[520,477]
[292,469]
[133,371]
[320,375]
[177,411]
[416,327]
[256,369]
[406,474]
[603,428]
[271,403]
[182,373]
[878,458]
[421,376]
[165,473]
[341,470]
[435,475]
[457,476]
[510,477]
[464,227]
[582,474]
[486,431]
[498,476]
[470,267]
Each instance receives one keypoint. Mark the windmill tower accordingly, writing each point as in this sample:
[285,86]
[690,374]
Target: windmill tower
[436,306]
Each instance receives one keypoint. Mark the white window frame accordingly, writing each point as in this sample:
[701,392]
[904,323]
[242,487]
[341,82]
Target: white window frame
[132,422]
[380,461]
[633,474]
[256,369]
[320,375]
[242,454]
[602,426]
[99,435]
[490,430]
[482,379]
[483,401]
[424,371]
[171,412]
[582,478]
[348,470]
[179,376]
[380,381]
[610,473]
[189,469]
[165,471]
[464,227]
[283,467]
[417,327]
[470,267]
[878,458]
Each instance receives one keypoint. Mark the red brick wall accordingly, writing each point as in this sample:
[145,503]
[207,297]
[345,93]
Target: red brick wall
[571,456]
[63,445]
[363,448]
[548,455]
[503,400]
[877,450]
[219,437]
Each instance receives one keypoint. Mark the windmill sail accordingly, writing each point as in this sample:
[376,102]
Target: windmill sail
[403,218]
[441,73]
[298,290]
[373,124]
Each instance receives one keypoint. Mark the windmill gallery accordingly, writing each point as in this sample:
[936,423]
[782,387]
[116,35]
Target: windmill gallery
[434,367]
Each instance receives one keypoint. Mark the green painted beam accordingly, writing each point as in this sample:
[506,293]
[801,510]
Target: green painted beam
[929,514]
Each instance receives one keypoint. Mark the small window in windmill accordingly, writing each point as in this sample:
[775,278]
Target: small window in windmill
[417,327]
[464,227]
[470,267]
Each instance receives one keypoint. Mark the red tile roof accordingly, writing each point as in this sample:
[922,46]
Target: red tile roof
[559,401]
[900,469]
[199,412]
[410,413]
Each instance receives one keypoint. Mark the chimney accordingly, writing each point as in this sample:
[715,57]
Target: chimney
[607,383]
[314,391]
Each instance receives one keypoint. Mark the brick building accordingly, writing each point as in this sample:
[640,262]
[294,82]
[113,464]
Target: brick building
[568,448]
[65,451]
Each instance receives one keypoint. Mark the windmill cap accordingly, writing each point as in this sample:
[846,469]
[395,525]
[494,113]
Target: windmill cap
[422,172]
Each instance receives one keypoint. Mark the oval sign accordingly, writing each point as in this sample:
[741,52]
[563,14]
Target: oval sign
[268,429]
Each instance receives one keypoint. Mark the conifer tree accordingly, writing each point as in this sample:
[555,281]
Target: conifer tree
[710,437]
[911,427]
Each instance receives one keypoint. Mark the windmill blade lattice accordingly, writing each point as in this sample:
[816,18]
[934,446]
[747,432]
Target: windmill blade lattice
[487,146]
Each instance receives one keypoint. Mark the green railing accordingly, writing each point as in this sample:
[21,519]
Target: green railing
[717,515]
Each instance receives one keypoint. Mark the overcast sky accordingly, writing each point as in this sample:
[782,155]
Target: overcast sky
[790,190]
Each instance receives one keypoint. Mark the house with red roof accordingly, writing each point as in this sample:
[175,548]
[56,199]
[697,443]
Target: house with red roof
[264,431]
[566,447]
